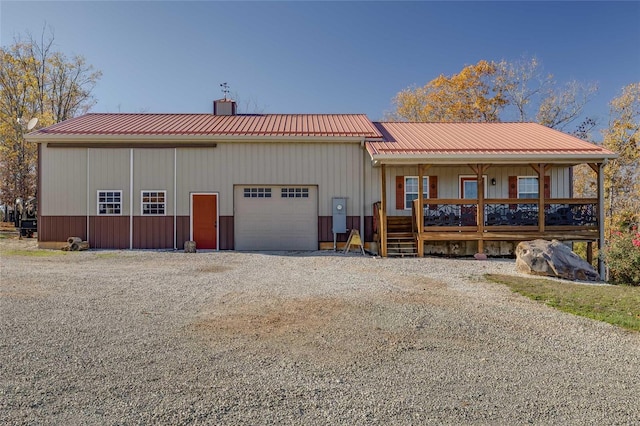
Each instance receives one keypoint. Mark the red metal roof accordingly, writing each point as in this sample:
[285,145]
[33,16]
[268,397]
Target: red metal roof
[303,125]
[401,138]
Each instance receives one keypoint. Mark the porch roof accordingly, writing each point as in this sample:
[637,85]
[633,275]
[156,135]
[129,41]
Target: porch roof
[454,143]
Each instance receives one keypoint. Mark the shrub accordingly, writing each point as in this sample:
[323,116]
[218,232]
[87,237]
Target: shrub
[622,255]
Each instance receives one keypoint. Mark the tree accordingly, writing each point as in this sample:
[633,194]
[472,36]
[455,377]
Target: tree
[36,81]
[468,96]
[533,95]
[585,184]
[521,82]
[622,175]
[490,91]
[561,107]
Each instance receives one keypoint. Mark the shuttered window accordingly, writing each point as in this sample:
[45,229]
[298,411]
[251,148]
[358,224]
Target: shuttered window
[527,187]
[404,198]
[411,189]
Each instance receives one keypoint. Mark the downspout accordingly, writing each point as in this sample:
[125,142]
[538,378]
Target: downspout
[88,195]
[175,198]
[38,192]
[362,187]
[131,199]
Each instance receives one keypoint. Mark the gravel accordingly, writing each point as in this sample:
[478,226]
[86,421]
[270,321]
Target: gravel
[119,337]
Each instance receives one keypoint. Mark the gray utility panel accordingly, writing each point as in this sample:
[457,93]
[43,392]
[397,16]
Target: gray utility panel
[339,212]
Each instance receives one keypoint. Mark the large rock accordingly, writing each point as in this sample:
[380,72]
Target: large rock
[189,246]
[553,259]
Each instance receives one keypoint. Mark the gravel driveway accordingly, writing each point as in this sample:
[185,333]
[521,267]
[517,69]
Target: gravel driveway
[117,337]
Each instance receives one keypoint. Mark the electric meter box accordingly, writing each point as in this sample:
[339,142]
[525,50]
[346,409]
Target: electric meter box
[339,211]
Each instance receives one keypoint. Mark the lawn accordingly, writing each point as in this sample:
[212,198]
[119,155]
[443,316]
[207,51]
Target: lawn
[618,305]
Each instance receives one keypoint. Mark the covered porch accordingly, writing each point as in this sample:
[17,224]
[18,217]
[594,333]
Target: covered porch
[485,219]
[520,206]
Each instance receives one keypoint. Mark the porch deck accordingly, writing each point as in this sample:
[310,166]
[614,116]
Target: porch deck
[564,219]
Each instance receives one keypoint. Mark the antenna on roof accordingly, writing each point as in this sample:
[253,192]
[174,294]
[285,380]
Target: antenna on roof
[225,90]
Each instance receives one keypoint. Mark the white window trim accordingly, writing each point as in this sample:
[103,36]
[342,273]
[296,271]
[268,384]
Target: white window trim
[98,202]
[424,188]
[518,187]
[142,203]
[460,177]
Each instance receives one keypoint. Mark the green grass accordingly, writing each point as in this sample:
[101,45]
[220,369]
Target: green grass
[32,253]
[618,305]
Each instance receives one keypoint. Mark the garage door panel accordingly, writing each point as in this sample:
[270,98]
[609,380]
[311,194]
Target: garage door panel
[274,221]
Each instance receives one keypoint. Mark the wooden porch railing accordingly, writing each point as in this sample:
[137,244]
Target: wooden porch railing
[458,215]
[506,219]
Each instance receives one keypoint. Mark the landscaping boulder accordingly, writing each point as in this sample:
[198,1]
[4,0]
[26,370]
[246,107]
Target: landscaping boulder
[189,246]
[553,259]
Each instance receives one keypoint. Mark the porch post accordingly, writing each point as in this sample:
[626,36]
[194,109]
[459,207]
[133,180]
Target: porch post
[601,264]
[383,211]
[541,170]
[420,224]
[480,213]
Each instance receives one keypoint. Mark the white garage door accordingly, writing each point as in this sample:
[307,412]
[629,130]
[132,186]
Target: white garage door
[276,217]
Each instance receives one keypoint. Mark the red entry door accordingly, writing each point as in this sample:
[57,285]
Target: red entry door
[204,220]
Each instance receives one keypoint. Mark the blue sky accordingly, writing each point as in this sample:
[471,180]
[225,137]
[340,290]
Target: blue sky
[324,57]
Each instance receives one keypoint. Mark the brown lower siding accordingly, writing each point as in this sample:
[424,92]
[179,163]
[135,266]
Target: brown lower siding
[325,233]
[109,232]
[225,225]
[59,228]
[156,232]
[153,232]
[225,230]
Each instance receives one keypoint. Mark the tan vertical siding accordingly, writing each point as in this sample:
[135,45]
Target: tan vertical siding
[449,181]
[109,169]
[335,168]
[153,171]
[63,178]
[371,184]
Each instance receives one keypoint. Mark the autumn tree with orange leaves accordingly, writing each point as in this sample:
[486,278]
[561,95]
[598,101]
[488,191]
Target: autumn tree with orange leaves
[494,91]
[622,175]
[36,81]
[468,96]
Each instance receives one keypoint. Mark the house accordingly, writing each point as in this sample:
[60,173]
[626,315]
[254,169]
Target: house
[266,182]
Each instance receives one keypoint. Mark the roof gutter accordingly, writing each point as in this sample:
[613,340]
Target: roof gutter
[89,139]
[399,159]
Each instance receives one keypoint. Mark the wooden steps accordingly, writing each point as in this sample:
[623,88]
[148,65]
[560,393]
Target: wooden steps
[401,244]
[401,241]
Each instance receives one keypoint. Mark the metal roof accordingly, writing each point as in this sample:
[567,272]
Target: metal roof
[292,125]
[478,140]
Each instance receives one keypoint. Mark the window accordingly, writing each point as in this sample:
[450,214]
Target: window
[411,189]
[294,193]
[109,202]
[154,202]
[257,193]
[527,187]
